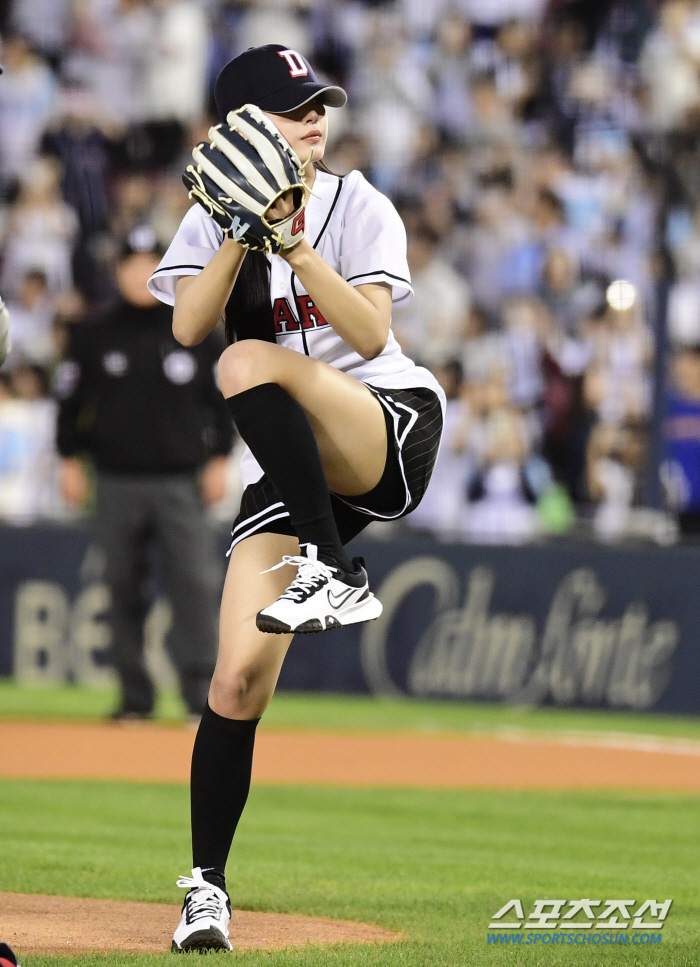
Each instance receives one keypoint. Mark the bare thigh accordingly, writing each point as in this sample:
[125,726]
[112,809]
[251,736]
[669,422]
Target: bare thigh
[249,661]
[346,418]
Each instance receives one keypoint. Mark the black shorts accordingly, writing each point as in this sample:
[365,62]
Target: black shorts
[414,425]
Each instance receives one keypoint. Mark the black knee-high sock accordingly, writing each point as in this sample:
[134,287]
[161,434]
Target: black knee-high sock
[278,432]
[222,762]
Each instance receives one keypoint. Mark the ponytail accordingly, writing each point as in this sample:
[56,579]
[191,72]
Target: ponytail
[249,309]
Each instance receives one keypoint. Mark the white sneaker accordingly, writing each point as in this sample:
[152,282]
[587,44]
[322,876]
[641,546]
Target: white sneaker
[206,914]
[319,598]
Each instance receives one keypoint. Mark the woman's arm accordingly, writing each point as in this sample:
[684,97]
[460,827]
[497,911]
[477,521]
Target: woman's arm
[200,300]
[361,315]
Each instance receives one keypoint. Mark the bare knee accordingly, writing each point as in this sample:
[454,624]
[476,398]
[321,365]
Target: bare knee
[240,693]
[243,365]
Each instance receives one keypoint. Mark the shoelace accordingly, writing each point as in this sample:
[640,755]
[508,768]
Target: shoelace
[310,576]
[203,900]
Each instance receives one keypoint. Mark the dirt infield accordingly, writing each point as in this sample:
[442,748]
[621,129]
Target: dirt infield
[160,753]
[64,925]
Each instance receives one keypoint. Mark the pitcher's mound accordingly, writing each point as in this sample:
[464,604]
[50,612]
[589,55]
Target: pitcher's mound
[66,925]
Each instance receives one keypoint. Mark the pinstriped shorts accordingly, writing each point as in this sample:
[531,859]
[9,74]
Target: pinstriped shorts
[414,426]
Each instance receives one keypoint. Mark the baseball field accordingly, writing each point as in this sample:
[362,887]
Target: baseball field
[377,832]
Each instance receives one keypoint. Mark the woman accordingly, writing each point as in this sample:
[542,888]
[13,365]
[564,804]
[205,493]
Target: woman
[341,429]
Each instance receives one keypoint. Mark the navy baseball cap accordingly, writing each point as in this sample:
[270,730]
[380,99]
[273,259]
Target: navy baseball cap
[274,78]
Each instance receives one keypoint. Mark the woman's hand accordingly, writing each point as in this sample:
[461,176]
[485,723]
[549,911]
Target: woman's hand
[283,207]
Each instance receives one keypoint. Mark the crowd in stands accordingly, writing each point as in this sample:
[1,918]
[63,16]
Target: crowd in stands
[543,154]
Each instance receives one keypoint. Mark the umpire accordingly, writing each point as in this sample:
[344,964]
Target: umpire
[150,415]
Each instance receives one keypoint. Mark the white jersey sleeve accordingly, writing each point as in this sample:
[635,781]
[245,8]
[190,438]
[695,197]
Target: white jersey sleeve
[373,241]
[196,242]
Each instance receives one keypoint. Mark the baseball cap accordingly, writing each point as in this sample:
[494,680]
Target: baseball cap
[274,78]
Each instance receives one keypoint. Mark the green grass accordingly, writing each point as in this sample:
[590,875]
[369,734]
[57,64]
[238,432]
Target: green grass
[294,710]
[433,864]
[73,702]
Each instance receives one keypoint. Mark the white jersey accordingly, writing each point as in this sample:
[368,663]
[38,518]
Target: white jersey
[359,233]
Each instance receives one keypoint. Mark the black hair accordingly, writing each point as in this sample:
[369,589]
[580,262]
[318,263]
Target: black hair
[248,313]
[322,166]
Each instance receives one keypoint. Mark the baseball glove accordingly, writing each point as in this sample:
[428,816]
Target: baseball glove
[240,176]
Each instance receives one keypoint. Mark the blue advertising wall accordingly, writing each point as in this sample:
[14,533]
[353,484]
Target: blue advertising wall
[563,624]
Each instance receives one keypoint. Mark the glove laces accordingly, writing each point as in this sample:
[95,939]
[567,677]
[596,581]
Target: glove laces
[311,576]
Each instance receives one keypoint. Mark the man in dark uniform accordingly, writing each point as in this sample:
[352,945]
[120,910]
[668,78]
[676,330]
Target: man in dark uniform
[150,415]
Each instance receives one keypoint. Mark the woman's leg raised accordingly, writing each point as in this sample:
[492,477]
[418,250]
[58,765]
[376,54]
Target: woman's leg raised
[311,428]
[346,418]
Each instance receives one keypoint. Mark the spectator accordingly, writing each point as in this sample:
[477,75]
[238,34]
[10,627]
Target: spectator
[40,231]
[32,321]
[449,72]
[393,92]
[80,141]
[491,245]
[568,299]
[110,50]
[681,469]
[176,63]
[46,25]
[500,512]
[28,463]
[274,22]
[613,461]
[26,97]
[430,328]
[617,384]
[669,66]
[483,357]
[526,324]
[492,118]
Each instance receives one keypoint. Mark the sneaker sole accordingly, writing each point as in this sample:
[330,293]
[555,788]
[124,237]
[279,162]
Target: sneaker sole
[201,941]
[369,609]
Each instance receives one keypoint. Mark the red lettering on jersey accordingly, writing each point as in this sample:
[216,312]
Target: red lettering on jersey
[299,222]
[311,317]
[284,318]
[297,67]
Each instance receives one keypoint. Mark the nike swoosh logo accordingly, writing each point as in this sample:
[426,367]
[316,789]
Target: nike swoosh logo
[339,601]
